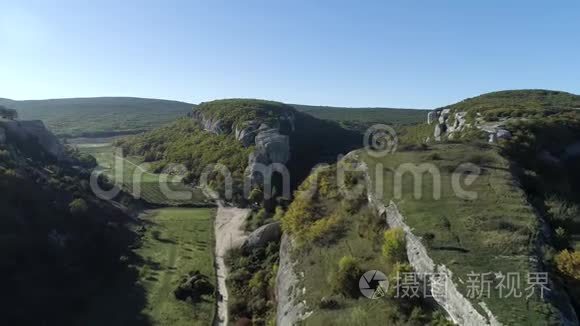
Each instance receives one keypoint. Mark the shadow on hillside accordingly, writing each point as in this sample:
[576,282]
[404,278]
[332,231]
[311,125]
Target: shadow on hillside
[451,248]
[123,299]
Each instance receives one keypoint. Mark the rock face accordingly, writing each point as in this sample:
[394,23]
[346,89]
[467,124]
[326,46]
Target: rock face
[432,116]
[247,132]
[442,287]
[445,128]
[443,290]
[439,130]
[2,136]
[290,311]
[34,129]
[262,236]
[269,138]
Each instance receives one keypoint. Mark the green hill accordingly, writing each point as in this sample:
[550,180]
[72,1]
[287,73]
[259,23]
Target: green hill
[100,116]
[210,137]
[54,231]
[362,118]
[519,103]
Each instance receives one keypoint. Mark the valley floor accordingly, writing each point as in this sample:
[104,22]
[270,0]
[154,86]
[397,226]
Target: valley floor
[175,242]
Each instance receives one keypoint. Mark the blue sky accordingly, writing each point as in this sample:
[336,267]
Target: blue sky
[416,54]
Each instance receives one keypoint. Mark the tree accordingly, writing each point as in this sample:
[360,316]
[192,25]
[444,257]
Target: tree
[394,245]
[568,263]
[429,238]
[78,207]
[256,195]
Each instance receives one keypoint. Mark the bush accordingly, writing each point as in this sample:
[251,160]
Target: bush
[394,245]
[193,287]
[329,303]
[560,212]
[78,207]
[568,263]
[345,280]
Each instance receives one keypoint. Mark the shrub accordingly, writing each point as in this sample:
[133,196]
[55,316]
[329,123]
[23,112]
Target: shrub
[561,212]
[329,303]
[568,263]
[256,195]
[429,237]
[345,280]
[78,207]
[193,286]
[395,277]
[394,245]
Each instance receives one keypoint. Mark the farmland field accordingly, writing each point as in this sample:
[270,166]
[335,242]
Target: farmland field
[134,177]
[176,241]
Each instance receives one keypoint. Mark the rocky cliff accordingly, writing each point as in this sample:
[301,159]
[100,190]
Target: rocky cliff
[290,309]
[449,124]
[269,137]
[33,130]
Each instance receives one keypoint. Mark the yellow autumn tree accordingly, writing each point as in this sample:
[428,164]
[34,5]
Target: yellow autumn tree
[568,263]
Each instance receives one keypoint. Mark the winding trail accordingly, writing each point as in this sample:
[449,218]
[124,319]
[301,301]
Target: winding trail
[229,234]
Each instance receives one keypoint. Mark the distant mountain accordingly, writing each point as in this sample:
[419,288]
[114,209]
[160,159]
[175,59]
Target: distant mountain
[362,118]
[106,116]
[99,116]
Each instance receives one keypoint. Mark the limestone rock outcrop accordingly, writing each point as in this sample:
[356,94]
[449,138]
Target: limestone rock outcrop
[2,136]
[262,236]
[432,116]
[270,139]
[34,130]
[290,309]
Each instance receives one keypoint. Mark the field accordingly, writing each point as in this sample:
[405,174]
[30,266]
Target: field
[136,179]
[175,242]
[492,233]
[77,117]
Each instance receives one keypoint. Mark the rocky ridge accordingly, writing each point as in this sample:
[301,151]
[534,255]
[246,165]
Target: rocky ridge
[270,138]
[449,125]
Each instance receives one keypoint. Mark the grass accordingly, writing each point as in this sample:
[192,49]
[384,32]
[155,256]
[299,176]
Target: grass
[147,185]
[175,242]
[321,261]
[353,230]
[493,233]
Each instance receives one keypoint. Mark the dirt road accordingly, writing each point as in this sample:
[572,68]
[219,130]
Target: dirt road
[229,234]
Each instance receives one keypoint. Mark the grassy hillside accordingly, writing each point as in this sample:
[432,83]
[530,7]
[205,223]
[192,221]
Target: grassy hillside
[140,182]
[362,118]
[494,232]
[330,229]
[176,241]
[100,116]
[60,245]
[535,103]
[545,127]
